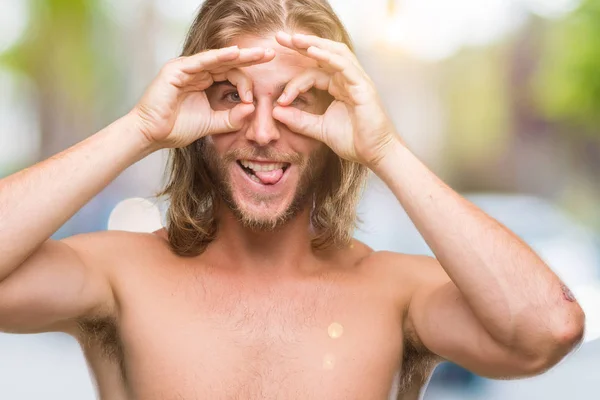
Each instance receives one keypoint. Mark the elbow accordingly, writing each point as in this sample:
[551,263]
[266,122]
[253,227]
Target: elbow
[574,328]
[569,331]
[557,341]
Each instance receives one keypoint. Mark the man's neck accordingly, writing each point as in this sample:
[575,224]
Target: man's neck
[285,250]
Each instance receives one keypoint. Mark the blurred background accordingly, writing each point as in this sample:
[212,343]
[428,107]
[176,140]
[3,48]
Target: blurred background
[501,98]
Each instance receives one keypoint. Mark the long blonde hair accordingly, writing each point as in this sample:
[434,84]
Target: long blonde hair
[191,217]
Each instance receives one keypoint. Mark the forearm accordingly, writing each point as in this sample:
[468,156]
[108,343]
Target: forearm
[509,288]
[36,201]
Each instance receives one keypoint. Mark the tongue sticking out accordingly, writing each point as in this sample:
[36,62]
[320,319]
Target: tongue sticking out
[269,177]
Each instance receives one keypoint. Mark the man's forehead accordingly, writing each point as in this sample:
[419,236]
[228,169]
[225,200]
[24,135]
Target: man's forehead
[286,65]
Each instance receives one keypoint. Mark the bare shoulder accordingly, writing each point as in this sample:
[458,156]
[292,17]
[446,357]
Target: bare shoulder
[397,275]
[125,242]
[115,257]
[405,271]
[110,251]
[404,277]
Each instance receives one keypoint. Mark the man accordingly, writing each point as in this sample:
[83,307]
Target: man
[256,290]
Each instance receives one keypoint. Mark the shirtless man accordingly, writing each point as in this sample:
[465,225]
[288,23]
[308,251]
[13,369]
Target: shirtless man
[256,290]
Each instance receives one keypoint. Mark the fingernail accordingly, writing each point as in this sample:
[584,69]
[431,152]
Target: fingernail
[249,96]
[282,98]
[269,51]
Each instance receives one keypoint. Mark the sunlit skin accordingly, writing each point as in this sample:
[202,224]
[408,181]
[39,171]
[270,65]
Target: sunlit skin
[261,314]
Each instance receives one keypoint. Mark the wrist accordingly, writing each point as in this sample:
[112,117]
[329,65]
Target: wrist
[393,161]
[135,128]
[388,152]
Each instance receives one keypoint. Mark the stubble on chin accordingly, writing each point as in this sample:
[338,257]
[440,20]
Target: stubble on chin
[310,167]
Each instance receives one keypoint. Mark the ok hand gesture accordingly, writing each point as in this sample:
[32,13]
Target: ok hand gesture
[355,126]
[175,111]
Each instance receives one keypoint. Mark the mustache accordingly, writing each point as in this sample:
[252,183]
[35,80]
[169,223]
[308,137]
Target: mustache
[268,153]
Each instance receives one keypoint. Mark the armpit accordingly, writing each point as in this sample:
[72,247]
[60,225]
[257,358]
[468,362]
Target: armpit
[418,363]
[103,333]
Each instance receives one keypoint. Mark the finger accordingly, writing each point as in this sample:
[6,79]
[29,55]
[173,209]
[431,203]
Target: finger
[299,121]
[313,77]
[230,120]
[303,41]
[209,62]
[215,59]
[240,80]
[227,66]
[191,64]
[247,58]
[203,77]
[337,63]
[285,39]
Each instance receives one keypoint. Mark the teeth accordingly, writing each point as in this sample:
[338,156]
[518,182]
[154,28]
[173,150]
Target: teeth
[256,167]
[254,178]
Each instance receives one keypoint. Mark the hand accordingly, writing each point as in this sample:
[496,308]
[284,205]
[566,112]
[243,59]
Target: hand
[355,126]
[175,111]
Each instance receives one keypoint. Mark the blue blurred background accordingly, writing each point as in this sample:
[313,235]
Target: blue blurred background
[501,98]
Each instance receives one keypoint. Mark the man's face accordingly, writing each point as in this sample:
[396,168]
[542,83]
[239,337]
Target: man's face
[264,172]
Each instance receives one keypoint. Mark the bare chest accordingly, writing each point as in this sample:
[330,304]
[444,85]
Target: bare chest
[206,339]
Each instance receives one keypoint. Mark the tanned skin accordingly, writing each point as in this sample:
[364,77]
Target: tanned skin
[261,314]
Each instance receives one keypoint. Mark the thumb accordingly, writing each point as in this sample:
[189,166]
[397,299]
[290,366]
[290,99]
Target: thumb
[230,120]
[299,121]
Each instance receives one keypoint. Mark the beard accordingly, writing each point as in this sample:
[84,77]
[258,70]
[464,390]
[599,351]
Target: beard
[310,168]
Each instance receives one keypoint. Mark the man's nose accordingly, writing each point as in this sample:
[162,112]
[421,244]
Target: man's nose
[263,128]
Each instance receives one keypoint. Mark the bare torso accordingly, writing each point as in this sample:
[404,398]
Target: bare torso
[195,329]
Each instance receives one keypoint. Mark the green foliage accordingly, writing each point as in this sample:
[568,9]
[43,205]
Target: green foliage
[477,102]
[58,51]
[567,86]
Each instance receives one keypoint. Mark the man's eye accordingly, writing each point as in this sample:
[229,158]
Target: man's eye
[233,97]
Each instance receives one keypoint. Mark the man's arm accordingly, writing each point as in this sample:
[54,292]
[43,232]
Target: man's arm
[47,285]
[44,284]
[494,306]
[502,311]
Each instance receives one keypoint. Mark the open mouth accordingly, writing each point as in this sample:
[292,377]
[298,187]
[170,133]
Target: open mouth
[264,173]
